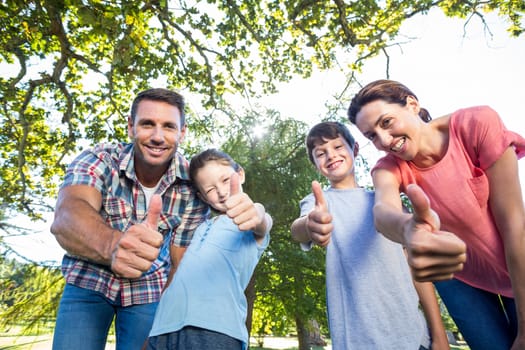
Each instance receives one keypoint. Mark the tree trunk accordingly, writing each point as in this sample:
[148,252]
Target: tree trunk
[303,335]
[250,298]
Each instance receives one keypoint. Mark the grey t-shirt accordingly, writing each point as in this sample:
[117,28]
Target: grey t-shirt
[372,302]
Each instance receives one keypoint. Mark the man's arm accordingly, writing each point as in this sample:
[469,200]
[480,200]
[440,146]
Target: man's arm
[78,226]
[81,231]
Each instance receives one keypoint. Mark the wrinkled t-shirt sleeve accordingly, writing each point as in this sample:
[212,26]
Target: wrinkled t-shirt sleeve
[484,135]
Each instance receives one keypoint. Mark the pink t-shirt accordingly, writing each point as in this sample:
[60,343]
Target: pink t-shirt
[458,189]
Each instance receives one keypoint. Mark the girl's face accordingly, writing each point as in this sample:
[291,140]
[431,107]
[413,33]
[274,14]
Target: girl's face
[213,182]
[392,128]
[335,160]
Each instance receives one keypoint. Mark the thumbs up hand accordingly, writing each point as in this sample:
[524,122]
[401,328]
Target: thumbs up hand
[433,254]
[246,214]
[319,220]
[139,246]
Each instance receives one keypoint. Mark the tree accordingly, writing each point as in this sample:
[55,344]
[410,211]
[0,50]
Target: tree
[71,66]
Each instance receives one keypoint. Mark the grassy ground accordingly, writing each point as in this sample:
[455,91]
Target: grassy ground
[11,341]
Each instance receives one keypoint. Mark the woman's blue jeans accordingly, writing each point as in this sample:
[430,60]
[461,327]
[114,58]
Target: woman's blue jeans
[486,320]
[84,318]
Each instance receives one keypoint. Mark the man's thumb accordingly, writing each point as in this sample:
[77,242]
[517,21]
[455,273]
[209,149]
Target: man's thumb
[318,194]
[235,186]
[421,204]
[154,209]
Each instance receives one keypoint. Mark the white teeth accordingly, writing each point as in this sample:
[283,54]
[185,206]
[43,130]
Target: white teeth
[398,145]
[333,165]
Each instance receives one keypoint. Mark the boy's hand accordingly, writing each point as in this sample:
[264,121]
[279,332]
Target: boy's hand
[433,254]
[240,207]
[319,221]
[139,246]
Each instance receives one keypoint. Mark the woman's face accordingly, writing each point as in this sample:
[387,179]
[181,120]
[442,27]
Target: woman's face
[392,128]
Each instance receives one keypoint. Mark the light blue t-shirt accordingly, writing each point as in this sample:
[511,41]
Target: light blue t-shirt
[207,290]
[371,299]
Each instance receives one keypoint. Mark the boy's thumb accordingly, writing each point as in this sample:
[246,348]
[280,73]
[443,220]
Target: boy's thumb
[154,209]
[318,194]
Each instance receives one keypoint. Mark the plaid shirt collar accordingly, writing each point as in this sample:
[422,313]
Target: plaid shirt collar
[175,171]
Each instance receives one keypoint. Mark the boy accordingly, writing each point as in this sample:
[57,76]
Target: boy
[371,298]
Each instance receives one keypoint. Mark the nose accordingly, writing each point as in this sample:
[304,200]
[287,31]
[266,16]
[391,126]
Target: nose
[222,192]
[383,140]
[158,134]
[329,154]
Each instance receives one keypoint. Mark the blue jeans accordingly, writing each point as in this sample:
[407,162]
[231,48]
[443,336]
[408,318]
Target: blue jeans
[84,318]
[486,321]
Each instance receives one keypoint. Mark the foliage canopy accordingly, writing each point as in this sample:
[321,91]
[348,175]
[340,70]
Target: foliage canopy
[71,66]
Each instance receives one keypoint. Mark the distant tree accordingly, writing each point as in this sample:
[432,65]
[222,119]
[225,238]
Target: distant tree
[29,295]
[289,283]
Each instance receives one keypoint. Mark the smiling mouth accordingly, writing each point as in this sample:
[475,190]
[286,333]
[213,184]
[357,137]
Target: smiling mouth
[397,147]
[156,149]
[334,165]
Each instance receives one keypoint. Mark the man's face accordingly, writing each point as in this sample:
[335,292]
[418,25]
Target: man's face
[156,133]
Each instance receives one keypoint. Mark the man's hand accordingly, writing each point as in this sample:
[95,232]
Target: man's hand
[319,221]
[140,245]
[433,255]
[241,209]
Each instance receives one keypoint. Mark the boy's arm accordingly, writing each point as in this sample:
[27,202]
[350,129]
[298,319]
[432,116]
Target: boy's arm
[299,230]
[429,304]
[317,226]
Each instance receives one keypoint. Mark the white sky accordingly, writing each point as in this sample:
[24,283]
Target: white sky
[446,65]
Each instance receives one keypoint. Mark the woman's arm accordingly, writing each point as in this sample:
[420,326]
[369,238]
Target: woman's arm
[433,255]
[506,203]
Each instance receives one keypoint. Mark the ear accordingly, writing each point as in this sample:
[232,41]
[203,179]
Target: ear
[182,133]
[413,104]
[202,197]
[241,175]
[131,133]
[356,149]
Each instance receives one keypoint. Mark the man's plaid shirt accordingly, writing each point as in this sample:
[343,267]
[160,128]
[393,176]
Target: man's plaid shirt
[110,169]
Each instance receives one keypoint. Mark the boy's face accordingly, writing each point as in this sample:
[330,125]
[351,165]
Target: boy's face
[335,160]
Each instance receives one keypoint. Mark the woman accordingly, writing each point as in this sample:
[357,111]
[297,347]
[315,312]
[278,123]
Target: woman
[473,227]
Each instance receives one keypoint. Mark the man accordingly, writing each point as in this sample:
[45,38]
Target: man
[120,209]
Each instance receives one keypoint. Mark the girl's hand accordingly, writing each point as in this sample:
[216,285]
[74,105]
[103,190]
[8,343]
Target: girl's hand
[241,209]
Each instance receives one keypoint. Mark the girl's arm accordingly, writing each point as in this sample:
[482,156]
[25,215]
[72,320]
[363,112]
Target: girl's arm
[265,224]
[506,203]
[176,254]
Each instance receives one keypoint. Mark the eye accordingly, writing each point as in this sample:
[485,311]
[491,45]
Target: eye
[370,136]
[386,122]
[319,154]
[146,123]
[171,126]
[211,190]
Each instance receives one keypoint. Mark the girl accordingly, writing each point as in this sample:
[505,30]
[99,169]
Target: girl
[466,164]
[204,307]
